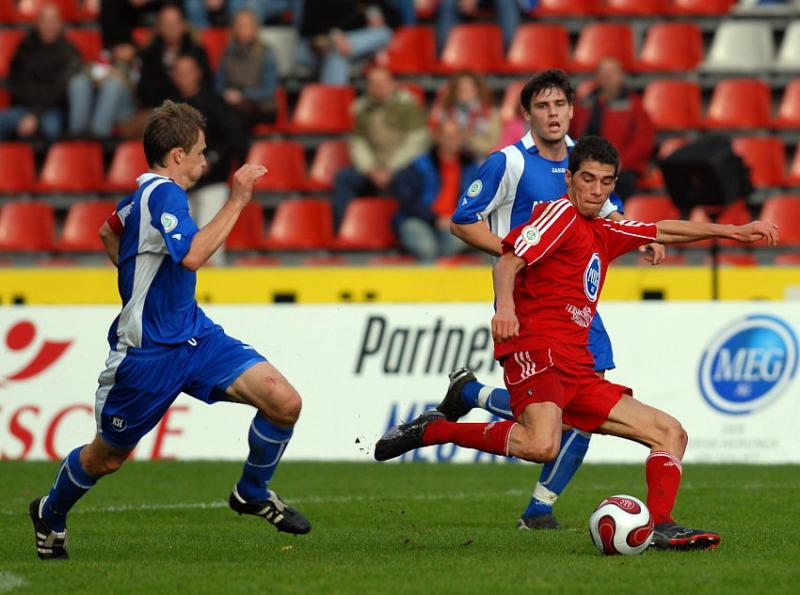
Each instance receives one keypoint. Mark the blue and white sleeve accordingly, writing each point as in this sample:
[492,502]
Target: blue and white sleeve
[170,216]
[614,203]
[485,193]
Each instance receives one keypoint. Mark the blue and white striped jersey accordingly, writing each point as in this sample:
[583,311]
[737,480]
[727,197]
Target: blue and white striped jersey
[158,293]
[510,182]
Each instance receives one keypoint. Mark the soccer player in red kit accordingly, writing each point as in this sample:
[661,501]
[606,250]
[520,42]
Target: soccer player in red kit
[547,284]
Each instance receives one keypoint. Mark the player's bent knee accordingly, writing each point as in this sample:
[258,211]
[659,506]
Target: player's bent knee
[537,450]
[288,412]
[673,435]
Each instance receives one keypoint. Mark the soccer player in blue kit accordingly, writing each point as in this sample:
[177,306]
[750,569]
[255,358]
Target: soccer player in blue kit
[163,344]
[501,198]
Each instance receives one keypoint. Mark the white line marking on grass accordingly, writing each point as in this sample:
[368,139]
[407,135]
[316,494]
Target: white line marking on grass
[306,500]
[10,581]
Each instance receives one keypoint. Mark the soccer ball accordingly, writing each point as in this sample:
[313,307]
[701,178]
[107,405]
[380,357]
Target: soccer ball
[621,525]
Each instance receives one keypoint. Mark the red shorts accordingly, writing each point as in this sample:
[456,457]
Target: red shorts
[585,399]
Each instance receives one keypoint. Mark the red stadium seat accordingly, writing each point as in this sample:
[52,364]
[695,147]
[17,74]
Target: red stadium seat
[88,42]
[248,232]
[784,211]
[791,259]
[673,104]
[17,168]
[739,104]
[477,47]
[367,225]
[26,227]
[735,259]
[5,99]
[671,47]
[650,208]
[701,7]
[305,224]
[72,166]
[214,40]
[412,50]
[604,40]
[568,8]
[281,116]
[127,164]
[331,156]
[793,177]
[766,158]
[636,8]
[286,162]
[9,40]
[323,109]
[84,220]
[789,110]
[538,46]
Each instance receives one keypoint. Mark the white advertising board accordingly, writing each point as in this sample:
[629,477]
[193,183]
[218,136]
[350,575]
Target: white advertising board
[726,370]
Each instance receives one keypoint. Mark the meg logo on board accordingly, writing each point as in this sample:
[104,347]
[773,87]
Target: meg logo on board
[749,364]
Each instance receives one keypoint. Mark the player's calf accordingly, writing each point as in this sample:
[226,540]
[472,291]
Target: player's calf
[532,446]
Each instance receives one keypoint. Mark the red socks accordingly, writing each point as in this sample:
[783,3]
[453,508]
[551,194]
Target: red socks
[663,473]
[489,437]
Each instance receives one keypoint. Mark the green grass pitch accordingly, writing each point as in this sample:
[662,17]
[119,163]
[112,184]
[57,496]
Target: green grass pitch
[409,528]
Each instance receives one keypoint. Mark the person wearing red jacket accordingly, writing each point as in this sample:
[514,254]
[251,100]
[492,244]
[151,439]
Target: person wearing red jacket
[614,111]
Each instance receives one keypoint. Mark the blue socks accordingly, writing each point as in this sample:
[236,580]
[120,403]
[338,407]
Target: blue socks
[556,474]
[494,400]
[267,444]
[71,483]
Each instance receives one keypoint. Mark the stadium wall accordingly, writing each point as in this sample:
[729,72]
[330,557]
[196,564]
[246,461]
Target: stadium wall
[726,370]
[314,285]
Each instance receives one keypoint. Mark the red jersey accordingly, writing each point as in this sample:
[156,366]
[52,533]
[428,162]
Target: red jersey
[556,295]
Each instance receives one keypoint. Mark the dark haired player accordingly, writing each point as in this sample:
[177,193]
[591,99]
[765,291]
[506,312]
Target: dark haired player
[509,183]
[547,284]
[163,344]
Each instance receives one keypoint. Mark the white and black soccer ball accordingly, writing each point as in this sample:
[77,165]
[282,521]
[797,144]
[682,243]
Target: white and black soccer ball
[621,525]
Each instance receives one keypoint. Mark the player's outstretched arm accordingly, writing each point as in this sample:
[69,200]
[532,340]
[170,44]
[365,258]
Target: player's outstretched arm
[504,322]
[673,232]
[478,235]
[653,252]
[206,241]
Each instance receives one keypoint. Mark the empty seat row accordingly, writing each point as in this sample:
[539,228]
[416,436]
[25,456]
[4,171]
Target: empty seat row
[26,11]
[77,167]
[297,225]
[632,8]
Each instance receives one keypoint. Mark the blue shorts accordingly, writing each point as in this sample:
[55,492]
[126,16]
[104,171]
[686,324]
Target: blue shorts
[139,385]
[600,345]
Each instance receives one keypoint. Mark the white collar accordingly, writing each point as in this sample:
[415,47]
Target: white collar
[147,176]
[527,141]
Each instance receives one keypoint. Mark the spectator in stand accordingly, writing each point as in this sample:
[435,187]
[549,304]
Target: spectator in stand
[172,39]
[118,18]
[103,94]
[39,79]
[508,16]
[247,77]
[334,33]
[467,100]
[218,13]
[389,134]
[614,111]
[225,142]
[428,190]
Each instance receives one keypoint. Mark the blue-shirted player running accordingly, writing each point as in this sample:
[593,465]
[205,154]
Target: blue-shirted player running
[502,197]
[163,344]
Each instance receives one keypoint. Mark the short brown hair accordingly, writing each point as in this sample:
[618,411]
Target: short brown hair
[546,80]
[169,126]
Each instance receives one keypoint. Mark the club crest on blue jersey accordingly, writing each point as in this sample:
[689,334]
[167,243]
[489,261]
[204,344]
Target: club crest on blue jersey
[475,189]
[168,222]
[749,364]
[591,278]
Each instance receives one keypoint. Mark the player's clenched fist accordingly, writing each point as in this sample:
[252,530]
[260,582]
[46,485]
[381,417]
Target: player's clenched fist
[244,179]
[505,325]
[757,230]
